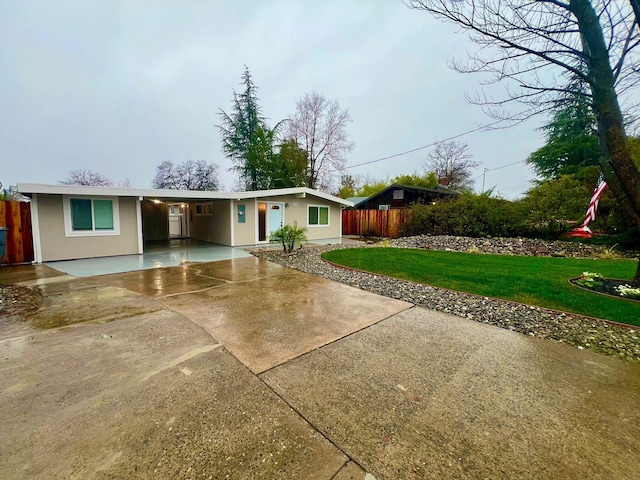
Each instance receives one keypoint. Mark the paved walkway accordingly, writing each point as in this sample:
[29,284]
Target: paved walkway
[247,369]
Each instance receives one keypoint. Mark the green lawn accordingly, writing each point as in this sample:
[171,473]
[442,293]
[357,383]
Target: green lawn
[540,281]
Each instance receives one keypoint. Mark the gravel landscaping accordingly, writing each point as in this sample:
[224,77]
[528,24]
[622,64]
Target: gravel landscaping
[582,332]
[17,301]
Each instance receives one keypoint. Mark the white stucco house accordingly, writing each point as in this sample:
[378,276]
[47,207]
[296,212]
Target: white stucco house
[71,222]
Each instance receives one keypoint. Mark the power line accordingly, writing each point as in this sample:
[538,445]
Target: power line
[484,172]
[417,149]
[505,166]
[498,168]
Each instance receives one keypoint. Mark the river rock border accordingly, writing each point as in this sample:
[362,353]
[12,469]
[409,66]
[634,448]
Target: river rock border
[579,331]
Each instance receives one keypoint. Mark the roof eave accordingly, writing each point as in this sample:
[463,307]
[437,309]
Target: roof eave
[36,188]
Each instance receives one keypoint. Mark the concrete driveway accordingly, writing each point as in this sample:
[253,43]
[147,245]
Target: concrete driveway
[246,369]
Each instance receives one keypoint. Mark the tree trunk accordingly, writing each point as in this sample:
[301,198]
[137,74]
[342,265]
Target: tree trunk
[619,169]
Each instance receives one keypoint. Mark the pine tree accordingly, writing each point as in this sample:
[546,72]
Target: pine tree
[240,131]
[571,137]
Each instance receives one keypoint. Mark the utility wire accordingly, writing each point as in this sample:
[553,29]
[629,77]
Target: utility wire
[419,148]
[498,168]
[505,166]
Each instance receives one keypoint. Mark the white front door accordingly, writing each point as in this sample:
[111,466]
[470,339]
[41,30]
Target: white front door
[178,220]
[275,217]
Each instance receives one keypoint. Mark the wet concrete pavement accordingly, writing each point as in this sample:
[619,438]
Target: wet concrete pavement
[422,395]
[266,323]
[246,369]
[146,397]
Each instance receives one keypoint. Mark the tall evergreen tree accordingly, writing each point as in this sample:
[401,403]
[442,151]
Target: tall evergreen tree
[571,138]
[240,131]
[260,156]
[289,166]
[276,165]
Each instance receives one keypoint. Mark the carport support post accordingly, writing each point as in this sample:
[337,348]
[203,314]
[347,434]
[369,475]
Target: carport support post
[139,225]
[35,229]
[232,222]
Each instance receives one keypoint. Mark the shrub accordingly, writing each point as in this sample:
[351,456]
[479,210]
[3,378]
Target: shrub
[289,236]
[469,215]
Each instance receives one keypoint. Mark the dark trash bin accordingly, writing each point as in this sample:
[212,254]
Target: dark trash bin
[3,241]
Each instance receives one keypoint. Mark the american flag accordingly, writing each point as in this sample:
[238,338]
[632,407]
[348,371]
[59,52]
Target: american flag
[583,230]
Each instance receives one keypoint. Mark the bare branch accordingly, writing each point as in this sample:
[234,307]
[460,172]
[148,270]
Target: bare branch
[526,42]
[319,127]
[452,163]
[523,41]
[88,178]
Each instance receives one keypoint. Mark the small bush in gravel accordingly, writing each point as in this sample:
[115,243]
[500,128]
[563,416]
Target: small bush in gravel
[289,236]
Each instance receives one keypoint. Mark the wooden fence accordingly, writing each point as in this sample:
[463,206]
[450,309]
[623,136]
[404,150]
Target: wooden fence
[376,223]
[16,216]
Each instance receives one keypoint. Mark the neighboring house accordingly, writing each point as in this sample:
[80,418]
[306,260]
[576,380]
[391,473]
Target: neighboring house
[71,222]
[356,200]
[402,196]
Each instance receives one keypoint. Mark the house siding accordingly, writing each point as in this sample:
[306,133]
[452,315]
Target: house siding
[410,196]
[245,233]
[214,228]
[55,245]
[297,212]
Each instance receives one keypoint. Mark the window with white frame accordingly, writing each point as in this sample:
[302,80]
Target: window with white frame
[318,216]
[85,216]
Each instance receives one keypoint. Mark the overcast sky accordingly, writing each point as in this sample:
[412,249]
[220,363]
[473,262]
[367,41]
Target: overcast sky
[119,86]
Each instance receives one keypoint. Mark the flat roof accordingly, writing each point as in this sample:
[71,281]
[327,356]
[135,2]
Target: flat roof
[301,192]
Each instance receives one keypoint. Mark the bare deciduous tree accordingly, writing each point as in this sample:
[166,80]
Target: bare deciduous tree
[189,175]
[452,161]
[87,178]
[541,46]
[319,127]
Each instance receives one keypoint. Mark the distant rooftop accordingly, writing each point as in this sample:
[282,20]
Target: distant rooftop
[356,200]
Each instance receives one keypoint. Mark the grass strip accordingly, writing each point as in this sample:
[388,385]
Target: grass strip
[539,281]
